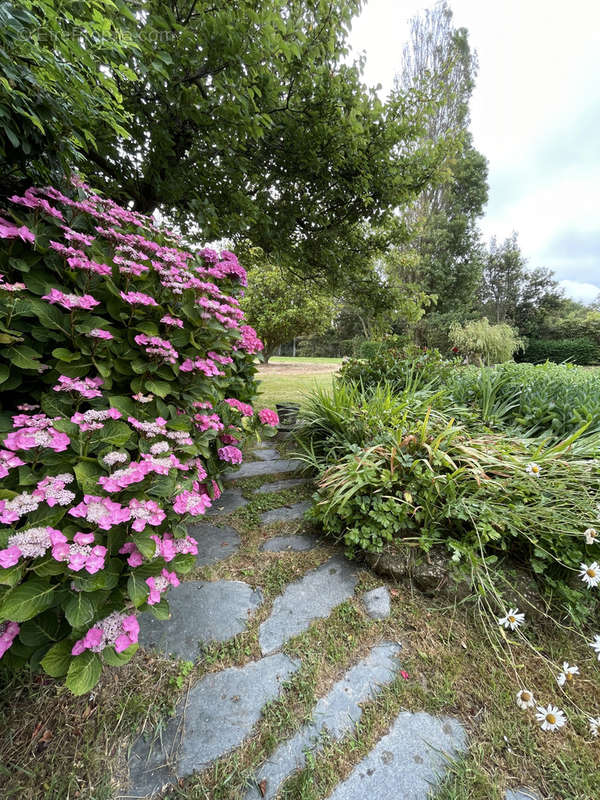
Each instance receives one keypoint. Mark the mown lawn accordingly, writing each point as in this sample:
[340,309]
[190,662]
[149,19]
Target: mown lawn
[289,379]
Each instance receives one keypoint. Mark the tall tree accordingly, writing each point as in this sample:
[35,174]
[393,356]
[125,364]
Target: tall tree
[247,122]
[444,217]
[510,292]
[280,308]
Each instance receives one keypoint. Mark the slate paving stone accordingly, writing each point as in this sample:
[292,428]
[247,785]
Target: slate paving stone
[201,612]
[215,717]
[253,468]
[230,500]
[152,764]
[286,513]
[214,543]
[224,706]
[266,453]
[281,544]
[278,486]
[522,793]
[312,597]
[337,713]
[377,603]
[408,762]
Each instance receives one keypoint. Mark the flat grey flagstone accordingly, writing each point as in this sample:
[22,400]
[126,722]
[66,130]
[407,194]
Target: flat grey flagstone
[281,544]
[253,468]
[286,513]
[377,603]
[230,500]
[266,453]
[201,612]
[335,713]
[408,762]
[522,793]
[224,706]
[215,717]
[278,486]
[312,597]
[214,543]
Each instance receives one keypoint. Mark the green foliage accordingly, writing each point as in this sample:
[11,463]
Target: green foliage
[401,471]
[544,399]
[400,367]
[583,351]
[484,343]
[247,120]
[280,307]
[114,340]
[61,64]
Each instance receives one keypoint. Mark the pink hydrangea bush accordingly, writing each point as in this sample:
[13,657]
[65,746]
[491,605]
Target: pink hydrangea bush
[126,382]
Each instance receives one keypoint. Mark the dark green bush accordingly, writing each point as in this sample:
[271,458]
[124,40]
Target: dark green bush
[583,350]
[401,368]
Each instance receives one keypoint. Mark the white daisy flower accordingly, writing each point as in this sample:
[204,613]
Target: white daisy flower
[550,718]
[525,699]
[533,469]
[566,674]
[513,619]
[590,574]
[591,536]
[596,645]
[594,723]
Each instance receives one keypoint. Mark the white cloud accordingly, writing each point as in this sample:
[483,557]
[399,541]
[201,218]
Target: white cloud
[582,292]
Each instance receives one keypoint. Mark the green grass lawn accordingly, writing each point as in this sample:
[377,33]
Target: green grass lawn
[290,379]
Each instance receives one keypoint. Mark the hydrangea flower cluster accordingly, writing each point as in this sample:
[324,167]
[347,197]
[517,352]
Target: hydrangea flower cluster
[118,501]
[118,630]
[268,417]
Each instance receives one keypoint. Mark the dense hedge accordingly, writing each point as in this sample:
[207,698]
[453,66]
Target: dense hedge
[582,350]
[125,376]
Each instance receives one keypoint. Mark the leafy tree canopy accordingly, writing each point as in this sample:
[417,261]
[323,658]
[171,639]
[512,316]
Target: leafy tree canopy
[246,121]
[281,308]
[54,94]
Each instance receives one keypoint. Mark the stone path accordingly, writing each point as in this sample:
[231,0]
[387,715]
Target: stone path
[278,486]
[201,612]
[408,761]
[221,710]
[215,543]
[287,513]
[281,544]
[336,713]
[303,601]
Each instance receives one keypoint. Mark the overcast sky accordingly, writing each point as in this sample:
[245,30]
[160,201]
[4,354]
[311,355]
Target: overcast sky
[535,116]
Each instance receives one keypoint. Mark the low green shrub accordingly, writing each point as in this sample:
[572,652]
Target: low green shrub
[583,350]
[483,343]
[544,399]
[420,475]
[401,368]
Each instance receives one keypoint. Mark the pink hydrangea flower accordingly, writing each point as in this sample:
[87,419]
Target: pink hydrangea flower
[9,556]
[244,409]
[172,321]
[80,554]
[231,454]
[249,341]
[193,503]
[101,511]
[145,512]
[8,461]
[208,422]
[118,630]
[8,632]
[8,230]
[159,585]
[268,417]
[93,420]
[71,301]
[52,490]
[86,387]
[37,436]
[138,298]
[100,333]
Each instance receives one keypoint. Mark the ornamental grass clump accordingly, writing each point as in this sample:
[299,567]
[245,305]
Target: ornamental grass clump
[126,375]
